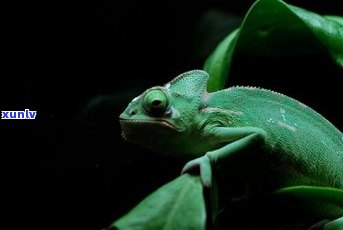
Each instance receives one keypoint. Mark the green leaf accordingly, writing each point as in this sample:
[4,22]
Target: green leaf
[326,202]
[218,63]
[334,18]
[273,28]
[177,205]
[328,31]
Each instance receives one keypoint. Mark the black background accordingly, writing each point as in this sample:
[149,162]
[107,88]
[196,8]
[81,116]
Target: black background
[78,63]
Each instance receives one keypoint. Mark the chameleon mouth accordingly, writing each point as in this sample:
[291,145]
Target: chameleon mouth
[146,145]
[146,133]
[129,125]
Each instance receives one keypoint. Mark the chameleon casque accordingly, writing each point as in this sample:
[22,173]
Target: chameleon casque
[276,143]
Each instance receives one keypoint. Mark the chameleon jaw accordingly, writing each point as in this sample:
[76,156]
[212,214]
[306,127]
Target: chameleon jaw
[132,127]
[147,133]
[136,122]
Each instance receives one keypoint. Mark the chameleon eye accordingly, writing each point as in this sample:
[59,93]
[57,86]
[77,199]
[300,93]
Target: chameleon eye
[156,102]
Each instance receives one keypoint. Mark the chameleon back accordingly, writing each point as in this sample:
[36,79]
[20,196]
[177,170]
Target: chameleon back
[302,146]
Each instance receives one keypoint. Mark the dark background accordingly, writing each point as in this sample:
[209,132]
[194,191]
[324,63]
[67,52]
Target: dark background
[78,63]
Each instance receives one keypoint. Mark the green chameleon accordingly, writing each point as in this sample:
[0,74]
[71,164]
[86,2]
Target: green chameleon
[276,144]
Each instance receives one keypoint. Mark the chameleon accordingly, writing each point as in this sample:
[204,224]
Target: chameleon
[276,143]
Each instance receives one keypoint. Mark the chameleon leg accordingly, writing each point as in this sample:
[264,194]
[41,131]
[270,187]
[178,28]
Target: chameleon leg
[204,165]
[336,224]
[237,139]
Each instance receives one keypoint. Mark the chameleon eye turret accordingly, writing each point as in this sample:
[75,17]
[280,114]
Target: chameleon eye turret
[156,101]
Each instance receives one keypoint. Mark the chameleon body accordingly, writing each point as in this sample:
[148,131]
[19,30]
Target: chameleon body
[272,140]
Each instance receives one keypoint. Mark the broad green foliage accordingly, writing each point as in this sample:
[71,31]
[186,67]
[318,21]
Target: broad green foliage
[221,57]
[309,195]
[274,28]
[177,205]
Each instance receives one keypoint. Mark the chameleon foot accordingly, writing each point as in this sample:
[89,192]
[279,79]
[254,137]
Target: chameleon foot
[202,164]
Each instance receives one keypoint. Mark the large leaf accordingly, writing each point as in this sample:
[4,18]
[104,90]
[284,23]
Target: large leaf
[218,63]
[176,205]
[324,201]
[274,28]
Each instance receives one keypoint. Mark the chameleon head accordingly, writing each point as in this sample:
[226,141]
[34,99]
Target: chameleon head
[161,117]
